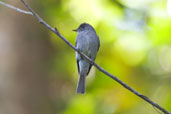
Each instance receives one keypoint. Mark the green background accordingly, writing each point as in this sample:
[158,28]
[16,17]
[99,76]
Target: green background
[135,41]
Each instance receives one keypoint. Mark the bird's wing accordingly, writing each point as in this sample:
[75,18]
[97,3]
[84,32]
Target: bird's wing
[89,69]
[98,43]
[78,66]
[77,59]
[94,58]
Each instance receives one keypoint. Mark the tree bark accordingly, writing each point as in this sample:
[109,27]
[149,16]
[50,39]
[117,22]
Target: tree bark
[24,54]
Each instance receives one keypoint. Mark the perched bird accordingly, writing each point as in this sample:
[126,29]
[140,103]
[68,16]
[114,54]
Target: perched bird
[88,43]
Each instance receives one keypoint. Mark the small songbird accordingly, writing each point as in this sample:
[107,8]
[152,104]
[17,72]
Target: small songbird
[88,43]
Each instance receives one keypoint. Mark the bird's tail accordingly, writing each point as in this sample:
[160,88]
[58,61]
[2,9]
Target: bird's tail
[81,84]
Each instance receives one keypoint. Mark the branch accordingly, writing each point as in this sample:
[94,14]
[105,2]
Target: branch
[15,8]
[54,30]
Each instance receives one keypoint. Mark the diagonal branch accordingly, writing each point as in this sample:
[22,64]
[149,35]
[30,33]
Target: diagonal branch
[15,8]
[54,30]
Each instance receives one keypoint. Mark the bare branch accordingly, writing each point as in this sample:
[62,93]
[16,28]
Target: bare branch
[96,65]
[54,30]
[15,8]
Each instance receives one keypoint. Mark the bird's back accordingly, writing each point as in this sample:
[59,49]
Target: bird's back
[88,42]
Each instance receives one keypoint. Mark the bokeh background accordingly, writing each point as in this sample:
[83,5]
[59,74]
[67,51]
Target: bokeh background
[38,73]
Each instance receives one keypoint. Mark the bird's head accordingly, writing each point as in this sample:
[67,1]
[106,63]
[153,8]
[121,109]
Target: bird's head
[84,27]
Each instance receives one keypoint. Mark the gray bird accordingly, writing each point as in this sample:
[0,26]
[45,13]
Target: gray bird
[87,42]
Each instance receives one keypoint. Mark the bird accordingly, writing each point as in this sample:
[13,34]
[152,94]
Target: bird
[87,41]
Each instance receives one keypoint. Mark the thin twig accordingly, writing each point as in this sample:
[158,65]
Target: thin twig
[96,65]
[54,30]
[15,8]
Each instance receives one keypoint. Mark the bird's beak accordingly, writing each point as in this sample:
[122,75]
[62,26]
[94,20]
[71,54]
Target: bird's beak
[75,30]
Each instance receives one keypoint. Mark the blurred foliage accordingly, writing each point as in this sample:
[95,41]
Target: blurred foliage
[135,46]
